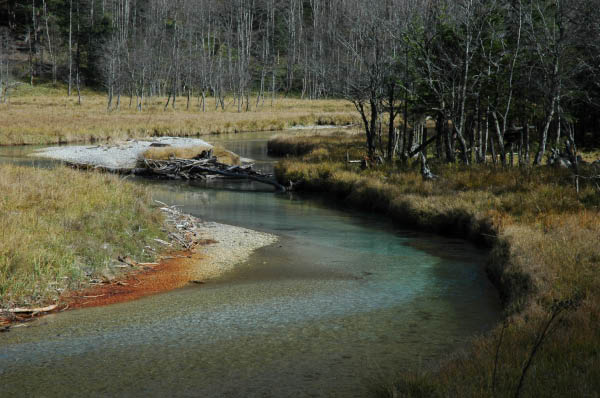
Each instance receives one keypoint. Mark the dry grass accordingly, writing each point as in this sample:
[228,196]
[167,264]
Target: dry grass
[45,115]
[544,239]
[591,155]
[62,227]
[318,145]
[164,153]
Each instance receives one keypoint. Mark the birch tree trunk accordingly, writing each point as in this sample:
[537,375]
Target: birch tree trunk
[70,46]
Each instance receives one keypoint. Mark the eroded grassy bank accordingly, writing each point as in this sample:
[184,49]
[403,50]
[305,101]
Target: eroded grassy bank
[46,115]
[544,250]
[61,228]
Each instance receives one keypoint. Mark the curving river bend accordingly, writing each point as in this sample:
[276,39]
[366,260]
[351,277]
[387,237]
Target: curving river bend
[340,301]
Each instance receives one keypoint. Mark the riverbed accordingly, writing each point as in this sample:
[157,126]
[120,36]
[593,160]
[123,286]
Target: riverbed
[340,301]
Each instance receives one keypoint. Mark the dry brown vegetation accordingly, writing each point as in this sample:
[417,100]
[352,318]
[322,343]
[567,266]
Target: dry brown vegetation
[544,249]
[164,153]
[61,228]
[45,115]
[317,144]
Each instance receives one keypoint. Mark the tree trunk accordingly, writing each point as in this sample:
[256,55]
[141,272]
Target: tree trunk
[450,157]
[544,134]
[527,150]
[70,46]
[439,142]
[392,135]
[521,145]
[493,149]
[373,129]
[78,58]
[500,136]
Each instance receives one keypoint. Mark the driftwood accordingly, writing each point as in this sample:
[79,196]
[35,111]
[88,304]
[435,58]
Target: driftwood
[184,231]
[351,161]
[204,167]
[558,159]
[201,169]
[32,310]
[425,171]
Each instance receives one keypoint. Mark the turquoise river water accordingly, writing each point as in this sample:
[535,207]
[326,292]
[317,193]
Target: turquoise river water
[341,302]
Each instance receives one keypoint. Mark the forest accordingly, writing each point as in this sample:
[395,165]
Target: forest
[498,79]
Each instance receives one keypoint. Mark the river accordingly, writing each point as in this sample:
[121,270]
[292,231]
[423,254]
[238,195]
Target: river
[342,301]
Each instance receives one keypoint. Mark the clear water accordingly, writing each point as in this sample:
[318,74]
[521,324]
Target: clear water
[341,300]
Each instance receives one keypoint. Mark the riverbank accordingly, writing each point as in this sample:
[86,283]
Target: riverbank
[544,260]
[46,115]
[212,249]
[62,227]
[73,239]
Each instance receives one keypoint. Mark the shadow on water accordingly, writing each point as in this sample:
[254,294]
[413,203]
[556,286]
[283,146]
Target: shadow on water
[339,299]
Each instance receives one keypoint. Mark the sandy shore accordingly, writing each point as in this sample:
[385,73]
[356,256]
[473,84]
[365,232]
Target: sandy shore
[209,250]
[233,246]
[220,246]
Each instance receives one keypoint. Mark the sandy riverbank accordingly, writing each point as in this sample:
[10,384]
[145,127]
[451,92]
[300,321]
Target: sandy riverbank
[210,250]
[196,253]
[218,248]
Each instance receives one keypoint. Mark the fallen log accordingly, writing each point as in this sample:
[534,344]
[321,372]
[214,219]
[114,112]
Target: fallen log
[32,310]
[203,168]
[254,177]
[190,169]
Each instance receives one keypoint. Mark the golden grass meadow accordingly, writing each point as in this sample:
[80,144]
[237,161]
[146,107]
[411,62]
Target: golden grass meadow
[46,115]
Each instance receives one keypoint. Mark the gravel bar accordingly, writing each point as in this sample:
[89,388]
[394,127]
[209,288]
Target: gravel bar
[120,155]
[234,246]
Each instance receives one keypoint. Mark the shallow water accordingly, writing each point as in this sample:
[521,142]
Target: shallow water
[340,300]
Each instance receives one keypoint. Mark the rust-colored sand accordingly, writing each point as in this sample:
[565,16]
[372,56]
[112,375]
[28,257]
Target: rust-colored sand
[171,273]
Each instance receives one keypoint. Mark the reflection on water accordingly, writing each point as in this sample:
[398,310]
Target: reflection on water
[20,155]
[339,299]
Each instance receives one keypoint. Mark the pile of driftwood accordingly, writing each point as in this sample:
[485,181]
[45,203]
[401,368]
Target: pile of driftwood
[201,169]
[184,227]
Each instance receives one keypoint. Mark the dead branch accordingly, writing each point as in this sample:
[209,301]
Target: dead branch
[193,169]
[32,310]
